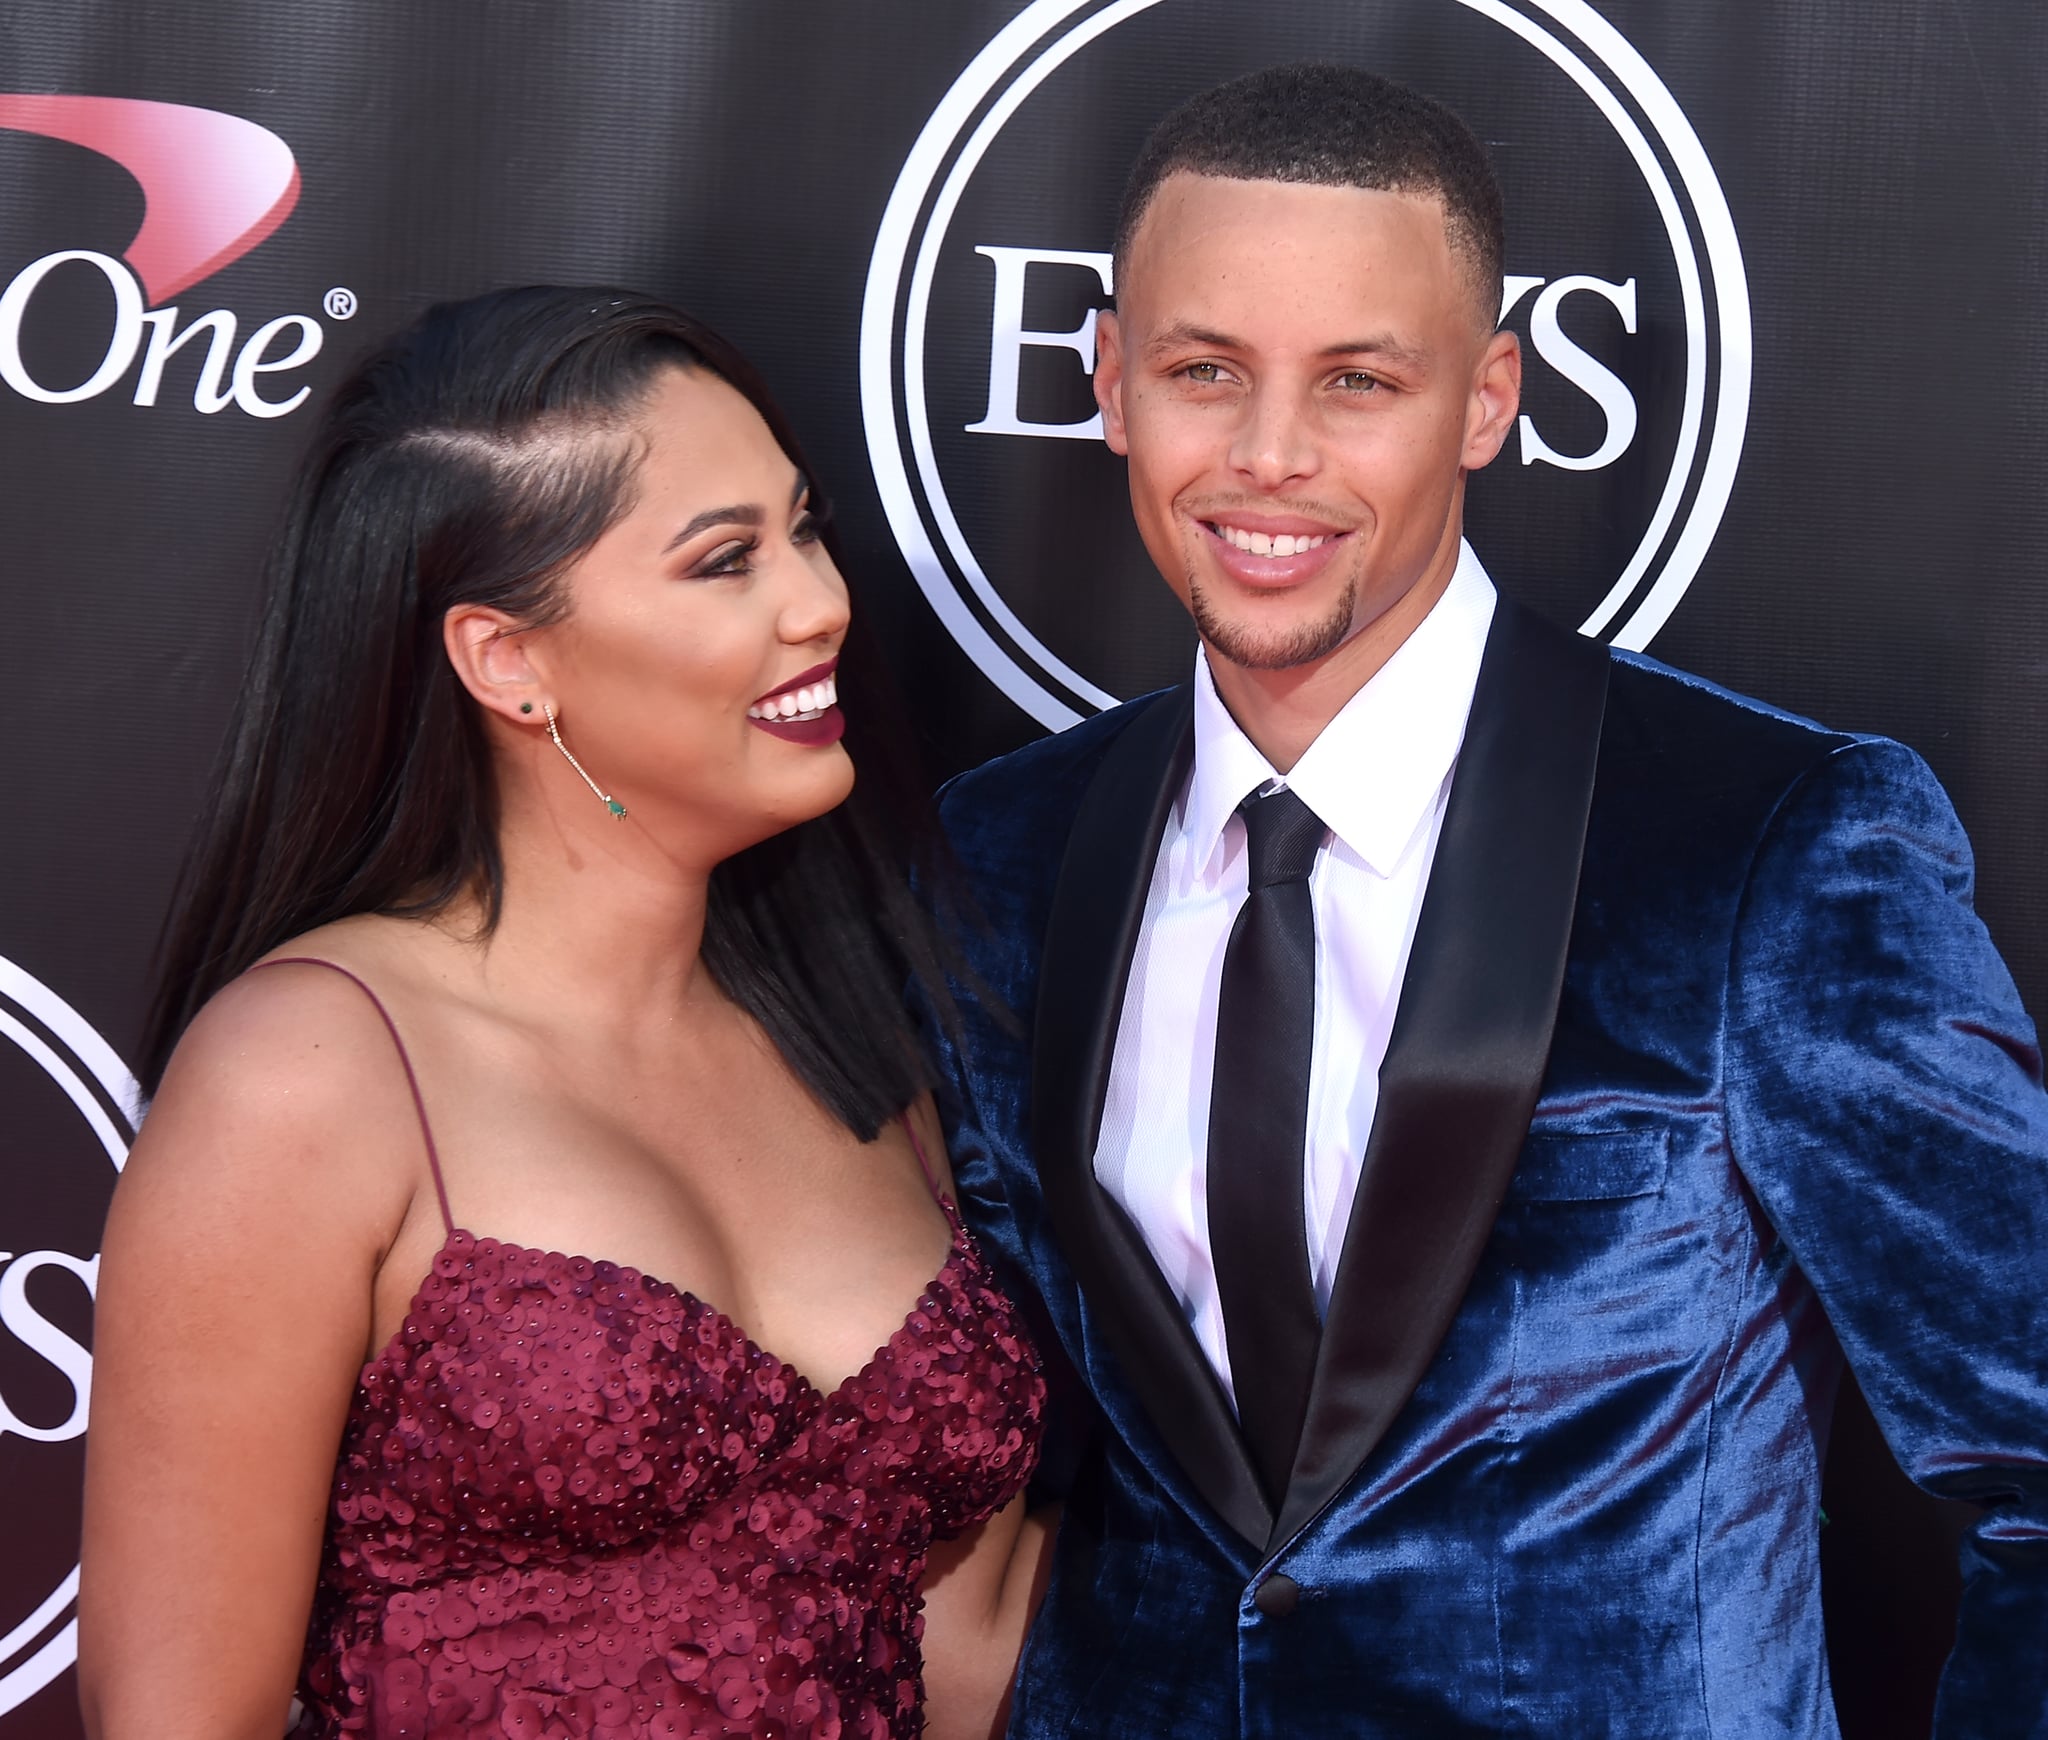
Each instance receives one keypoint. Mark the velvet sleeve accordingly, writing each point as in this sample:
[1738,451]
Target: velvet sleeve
[984,1202]
[1885,1103]
[974,1037]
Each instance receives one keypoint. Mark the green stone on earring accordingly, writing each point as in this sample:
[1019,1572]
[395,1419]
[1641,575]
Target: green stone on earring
[526,706]
[618,809]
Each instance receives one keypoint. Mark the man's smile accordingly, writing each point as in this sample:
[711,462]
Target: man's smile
[1271,552]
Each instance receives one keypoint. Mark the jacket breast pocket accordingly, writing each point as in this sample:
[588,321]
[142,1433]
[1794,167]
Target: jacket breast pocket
[1591,1165]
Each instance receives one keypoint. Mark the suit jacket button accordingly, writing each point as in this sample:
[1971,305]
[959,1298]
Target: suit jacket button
[1277,1596]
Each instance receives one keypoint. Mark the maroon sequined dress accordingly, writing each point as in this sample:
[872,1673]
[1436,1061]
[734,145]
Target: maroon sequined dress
[573,1500]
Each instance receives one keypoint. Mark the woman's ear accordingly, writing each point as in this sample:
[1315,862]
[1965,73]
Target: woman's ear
[490,656]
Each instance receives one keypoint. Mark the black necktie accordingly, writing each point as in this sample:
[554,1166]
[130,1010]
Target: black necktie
[1258,1128]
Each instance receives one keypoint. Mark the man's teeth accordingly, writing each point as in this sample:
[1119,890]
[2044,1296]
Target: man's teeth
[804,703]
[1269,543]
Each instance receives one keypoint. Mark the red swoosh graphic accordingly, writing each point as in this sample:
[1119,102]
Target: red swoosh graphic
[213,185]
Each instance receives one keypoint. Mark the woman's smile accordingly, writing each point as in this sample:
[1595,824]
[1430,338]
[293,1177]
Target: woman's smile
[805,709]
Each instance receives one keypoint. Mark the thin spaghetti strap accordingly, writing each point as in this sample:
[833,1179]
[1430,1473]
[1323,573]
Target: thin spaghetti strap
[412,1081]
[931,1178]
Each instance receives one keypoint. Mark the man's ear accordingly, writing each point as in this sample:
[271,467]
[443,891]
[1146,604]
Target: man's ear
[493,660]
[1109,379]
[1496,397]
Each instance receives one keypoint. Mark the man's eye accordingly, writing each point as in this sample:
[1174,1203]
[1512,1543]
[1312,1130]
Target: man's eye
[1205,374]
[1358,381]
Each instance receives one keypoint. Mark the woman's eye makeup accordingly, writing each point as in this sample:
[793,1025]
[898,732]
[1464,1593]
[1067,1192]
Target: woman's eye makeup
[811,519]
[728,558]
[734,555]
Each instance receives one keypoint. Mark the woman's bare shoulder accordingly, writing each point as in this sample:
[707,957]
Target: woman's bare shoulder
[291,1032]
[289,1078]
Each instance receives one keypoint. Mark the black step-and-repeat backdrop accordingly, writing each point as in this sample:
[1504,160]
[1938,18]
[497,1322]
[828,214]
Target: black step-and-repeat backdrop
[1779,271]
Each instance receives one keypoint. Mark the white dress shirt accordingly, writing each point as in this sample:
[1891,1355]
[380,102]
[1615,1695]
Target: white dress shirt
[1378,775]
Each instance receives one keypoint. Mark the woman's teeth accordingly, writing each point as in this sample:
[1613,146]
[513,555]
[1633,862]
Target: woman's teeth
[1269,543]
[805,703]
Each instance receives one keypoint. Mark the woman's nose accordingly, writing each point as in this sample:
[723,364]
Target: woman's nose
[816,607]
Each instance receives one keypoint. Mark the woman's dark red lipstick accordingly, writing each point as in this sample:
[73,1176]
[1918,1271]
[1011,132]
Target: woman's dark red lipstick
[803,679]
[804,710]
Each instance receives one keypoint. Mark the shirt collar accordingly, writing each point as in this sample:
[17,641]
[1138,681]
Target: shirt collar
[1375,771]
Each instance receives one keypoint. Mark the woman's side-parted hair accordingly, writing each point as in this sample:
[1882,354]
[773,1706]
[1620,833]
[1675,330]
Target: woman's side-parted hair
[471,460]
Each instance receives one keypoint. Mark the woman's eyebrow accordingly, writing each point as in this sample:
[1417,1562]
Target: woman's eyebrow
[718,516]
[733,516]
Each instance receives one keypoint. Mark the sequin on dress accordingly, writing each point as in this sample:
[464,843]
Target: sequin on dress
[573,1500]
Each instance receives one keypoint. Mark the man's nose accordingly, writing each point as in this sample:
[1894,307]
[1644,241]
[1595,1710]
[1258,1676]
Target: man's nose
[1275,442]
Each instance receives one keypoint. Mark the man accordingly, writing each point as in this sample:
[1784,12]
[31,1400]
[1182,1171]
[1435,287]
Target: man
[1467,1090]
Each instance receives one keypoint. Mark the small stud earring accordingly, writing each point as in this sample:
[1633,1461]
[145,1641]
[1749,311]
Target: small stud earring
[526,706]
[611,803]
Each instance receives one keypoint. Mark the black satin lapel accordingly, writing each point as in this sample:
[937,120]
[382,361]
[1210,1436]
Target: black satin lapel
[1470,1043]
[1090,936]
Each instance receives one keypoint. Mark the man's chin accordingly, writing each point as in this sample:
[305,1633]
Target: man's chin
[1254,645]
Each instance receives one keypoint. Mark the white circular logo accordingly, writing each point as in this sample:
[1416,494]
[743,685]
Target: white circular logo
[1640,367]
[45,1306]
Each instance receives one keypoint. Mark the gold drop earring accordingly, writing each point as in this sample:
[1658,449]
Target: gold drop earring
[611,803]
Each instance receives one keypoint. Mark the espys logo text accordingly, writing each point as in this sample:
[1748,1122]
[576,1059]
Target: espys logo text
[72,1106]
[214,186]
[1625,281]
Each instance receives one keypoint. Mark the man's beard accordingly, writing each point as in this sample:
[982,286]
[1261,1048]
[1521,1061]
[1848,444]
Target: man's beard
[1252,650]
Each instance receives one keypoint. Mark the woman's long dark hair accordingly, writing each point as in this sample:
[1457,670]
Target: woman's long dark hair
[470,460]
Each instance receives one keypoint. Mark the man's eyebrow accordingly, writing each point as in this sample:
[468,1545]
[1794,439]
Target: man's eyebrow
[1383,344]
[1183,334]
[733,516]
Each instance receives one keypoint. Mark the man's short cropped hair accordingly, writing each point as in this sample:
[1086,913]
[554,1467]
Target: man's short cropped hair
[1332,126]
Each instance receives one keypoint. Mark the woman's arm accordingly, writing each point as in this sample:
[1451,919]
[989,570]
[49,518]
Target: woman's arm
[234,1312]
[982,1589]
[981,1592]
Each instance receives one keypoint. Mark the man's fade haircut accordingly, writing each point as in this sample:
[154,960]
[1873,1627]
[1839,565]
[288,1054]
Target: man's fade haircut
[1331,126]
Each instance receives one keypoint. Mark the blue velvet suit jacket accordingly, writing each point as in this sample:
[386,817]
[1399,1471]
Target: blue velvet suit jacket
[1705,1076]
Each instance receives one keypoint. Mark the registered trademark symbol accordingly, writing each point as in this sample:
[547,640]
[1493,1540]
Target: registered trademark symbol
[340,302]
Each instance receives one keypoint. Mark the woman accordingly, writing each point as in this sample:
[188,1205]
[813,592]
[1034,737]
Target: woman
[533,916]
